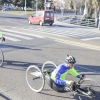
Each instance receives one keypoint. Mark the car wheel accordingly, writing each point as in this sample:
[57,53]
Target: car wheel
[51,24]
[29,22]
[41,23]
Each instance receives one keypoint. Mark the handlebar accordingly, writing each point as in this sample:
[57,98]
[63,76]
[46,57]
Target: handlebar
[81,80]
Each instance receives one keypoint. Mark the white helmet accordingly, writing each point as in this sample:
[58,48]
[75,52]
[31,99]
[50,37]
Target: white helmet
[70,59]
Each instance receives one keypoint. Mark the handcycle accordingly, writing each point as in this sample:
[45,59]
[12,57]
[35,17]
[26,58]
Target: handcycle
[1,53]
[35,78]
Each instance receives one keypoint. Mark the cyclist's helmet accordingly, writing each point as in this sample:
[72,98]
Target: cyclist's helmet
[70,59]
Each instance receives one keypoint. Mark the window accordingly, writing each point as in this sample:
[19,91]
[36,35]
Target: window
[48,14]
[39,13]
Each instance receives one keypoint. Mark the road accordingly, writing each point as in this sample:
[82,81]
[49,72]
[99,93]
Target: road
[71,31]
[23,48]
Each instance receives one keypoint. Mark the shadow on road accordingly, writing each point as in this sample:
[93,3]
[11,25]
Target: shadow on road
[20,65]
[13,46]
[14,17]
[56,95]
[3,97]
[88,68]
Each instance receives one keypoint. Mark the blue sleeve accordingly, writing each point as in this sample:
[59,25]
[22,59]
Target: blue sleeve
[59,73]
[78,76]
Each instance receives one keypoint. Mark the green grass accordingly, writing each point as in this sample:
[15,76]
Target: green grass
[21,12]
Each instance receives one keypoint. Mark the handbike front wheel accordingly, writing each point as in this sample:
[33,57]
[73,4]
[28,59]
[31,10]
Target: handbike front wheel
[35,78]
[1,58]
[94,88]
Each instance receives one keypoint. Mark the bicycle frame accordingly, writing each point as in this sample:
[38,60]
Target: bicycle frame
[83,92]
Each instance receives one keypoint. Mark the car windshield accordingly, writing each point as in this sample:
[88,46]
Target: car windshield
[34,14]
[48,14]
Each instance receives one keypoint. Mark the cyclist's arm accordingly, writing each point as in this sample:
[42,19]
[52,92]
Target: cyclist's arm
[57,77]
[0,35]
[59,81]
[74,73]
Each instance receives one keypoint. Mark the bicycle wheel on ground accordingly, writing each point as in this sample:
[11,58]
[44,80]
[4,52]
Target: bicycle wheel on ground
[94,86]
[1,58]
[48,66]
[34,78]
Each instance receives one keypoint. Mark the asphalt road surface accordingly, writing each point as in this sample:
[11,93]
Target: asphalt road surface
[71,31]
[22,50]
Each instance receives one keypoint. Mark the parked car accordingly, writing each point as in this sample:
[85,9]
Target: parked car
[42,17]
[6,9]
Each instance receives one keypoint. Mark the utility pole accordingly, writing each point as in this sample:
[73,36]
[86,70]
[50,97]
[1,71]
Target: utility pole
[99,15]
[25,7]
[45,4]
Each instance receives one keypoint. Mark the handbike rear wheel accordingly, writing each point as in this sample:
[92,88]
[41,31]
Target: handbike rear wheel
[50,66]
[35,78]
[1,58]
[94,87]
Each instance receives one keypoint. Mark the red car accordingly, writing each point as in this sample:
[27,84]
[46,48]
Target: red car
[42,17]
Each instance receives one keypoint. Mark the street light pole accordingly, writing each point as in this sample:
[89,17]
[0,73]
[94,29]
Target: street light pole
[36,5]
[25,7]
[45,4]
[99,19]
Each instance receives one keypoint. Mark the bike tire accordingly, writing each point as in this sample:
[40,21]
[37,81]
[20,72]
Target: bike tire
[35,82]
[1,58]
[46,68]
[95,86]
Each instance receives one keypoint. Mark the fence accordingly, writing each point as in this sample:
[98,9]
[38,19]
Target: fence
[78,21]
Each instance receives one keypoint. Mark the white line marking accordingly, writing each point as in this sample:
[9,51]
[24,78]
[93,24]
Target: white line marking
[12,39]
[90,38]
[16,35]
[29,34]
[84,45]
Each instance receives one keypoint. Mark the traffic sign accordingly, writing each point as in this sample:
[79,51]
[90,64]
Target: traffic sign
[45,4]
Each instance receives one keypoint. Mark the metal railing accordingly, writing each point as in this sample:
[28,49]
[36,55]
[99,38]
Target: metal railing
[77,21]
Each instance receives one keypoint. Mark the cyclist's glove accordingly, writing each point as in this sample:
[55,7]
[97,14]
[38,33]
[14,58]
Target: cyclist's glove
[69,85]
[82,76]
[69,82]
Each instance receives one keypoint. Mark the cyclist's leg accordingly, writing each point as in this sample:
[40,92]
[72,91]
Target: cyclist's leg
[56,87]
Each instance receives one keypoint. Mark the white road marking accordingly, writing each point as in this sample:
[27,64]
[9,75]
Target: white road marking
[12,39]
[28,34]
[84,45]
[86,39]
[16,35]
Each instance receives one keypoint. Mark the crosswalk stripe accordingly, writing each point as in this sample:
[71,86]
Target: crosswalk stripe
[38,36]
[78,34]
[12,39]
[16,35]
[64,32]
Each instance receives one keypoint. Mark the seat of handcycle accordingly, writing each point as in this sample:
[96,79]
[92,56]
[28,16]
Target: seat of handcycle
[53,85]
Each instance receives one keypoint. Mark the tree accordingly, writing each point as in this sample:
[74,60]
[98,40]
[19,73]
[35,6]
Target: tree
[21,3]
[71,5]
[3,1]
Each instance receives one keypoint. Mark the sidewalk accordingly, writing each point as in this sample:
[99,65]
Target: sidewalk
[91,29]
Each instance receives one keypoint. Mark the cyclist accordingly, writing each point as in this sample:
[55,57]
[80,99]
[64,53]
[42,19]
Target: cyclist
[2,37]
[58,80]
